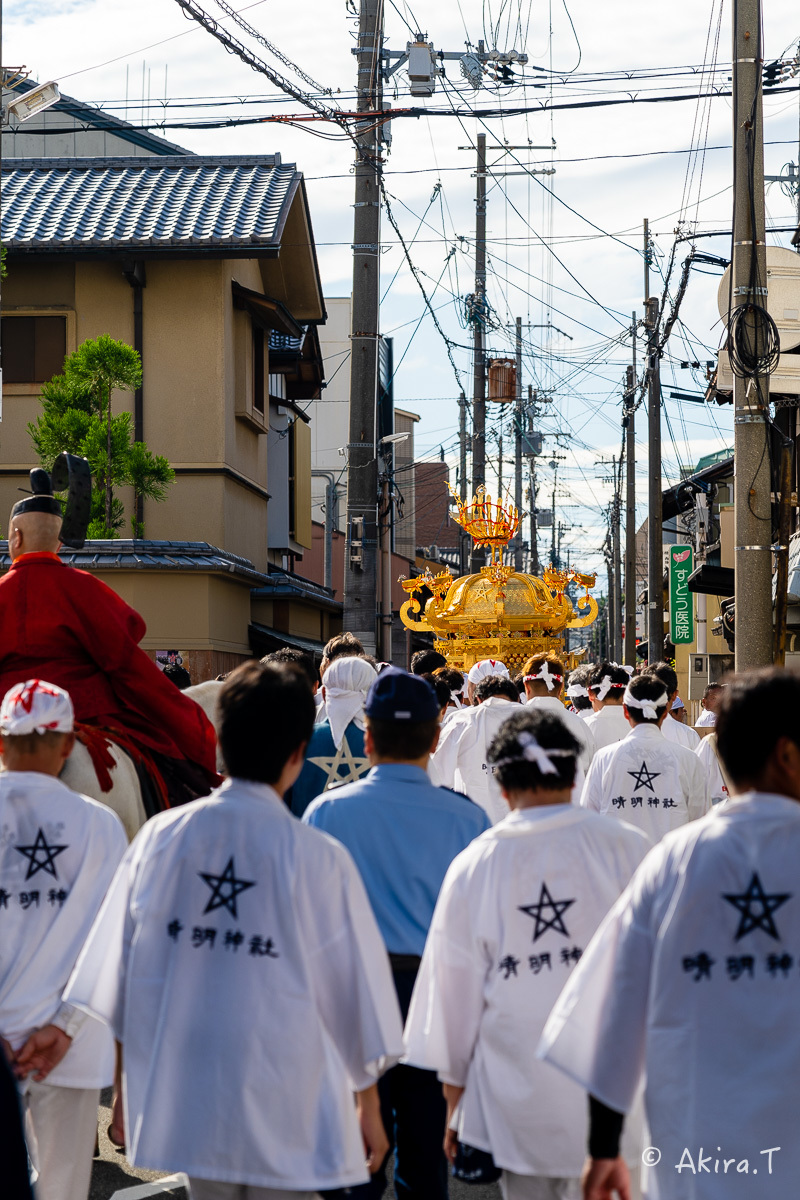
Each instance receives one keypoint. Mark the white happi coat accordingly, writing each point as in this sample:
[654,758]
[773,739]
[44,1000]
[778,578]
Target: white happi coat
[459,761]
[693,981]
[707,753]
[58,854]
[680,734]
[515,911]
[238,961]
[609,725]
[648,781]
[579,731]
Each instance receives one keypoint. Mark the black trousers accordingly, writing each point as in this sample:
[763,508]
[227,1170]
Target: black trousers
[413,1111]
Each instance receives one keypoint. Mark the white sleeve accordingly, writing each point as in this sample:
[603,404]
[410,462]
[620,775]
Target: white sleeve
[448,1000]
[592,794]
[97,983]
[443,764]
[596,1031]
[698,800]
[352,981]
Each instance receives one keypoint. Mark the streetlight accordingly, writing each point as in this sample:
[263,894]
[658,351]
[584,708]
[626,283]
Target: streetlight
[33,102]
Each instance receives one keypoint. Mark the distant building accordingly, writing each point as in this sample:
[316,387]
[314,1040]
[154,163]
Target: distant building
[206,265]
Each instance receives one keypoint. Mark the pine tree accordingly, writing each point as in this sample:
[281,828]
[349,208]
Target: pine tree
[77,416]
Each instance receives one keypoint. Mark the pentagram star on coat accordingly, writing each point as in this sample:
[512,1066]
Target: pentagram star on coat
[355,766]
[555,922]
[750,920]
[49,853]
[644,778]
[218,882]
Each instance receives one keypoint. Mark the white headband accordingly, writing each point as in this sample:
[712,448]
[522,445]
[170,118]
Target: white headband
[546,675]
[456,697]
[649,707]
[533,752]
[577,689]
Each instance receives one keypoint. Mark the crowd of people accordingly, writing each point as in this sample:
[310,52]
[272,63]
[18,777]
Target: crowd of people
[485,925]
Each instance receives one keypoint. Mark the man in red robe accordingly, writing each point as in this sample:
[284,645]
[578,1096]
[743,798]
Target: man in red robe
[63,625]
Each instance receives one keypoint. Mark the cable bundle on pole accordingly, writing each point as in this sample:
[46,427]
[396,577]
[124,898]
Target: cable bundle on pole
[754,344]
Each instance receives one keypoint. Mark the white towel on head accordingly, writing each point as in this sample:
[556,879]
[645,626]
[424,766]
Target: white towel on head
[488,666]
[347,681]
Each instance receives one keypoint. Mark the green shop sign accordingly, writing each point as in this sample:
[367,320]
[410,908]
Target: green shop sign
[681,604]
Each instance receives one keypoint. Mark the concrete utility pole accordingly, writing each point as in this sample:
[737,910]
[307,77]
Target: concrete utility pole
[752,501]
[617,564]
[534,533]
[655,553]
[534,537]
[463,538]
[518,427]
[478,342]
[361,566]
[629,655]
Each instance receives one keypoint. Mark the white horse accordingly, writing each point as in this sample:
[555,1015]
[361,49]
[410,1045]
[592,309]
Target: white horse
[207,696]
[125,797]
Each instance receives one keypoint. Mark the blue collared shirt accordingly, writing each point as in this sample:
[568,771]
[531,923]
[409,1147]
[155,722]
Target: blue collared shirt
[403,834]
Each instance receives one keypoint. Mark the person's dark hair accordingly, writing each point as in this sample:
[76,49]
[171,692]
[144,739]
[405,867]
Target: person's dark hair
[756,710]
[619,678]
[711,687]
[555,666]
[402,740]
[344,645]
[647,687]
[426,661]
[441,689]
[178,675]
[519,684]
[451,676]
[265,713]
[580,676]
[665,673]
[496,685]
[297,658]
[551,733]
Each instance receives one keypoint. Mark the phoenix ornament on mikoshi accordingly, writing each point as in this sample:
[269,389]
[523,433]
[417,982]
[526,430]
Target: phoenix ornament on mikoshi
[497,612]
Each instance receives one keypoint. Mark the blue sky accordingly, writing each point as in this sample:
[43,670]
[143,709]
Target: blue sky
[553,259]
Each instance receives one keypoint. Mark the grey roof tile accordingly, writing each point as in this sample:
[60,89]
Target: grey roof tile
[168,203]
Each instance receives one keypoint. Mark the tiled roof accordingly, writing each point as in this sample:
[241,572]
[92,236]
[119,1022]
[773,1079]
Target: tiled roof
[123,554]
[69,205]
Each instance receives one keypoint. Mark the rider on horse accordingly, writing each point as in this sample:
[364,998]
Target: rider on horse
[65,626]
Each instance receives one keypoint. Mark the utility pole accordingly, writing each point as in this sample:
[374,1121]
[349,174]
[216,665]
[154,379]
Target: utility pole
[534,539]
[361,574]
[553,556]
[518,420]
[462,478]
[752,500]
[478,342]
[534,534]
[630,509]
[616,649]
[655,553]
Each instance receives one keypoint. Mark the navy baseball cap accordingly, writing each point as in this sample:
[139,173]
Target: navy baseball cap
[397,696]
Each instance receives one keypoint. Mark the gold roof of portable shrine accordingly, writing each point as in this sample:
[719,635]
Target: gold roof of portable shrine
[498,612]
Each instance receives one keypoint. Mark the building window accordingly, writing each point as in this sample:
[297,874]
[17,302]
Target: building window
[34,348]
[258,370]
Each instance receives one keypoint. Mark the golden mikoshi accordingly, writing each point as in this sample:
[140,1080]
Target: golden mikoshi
[498,612]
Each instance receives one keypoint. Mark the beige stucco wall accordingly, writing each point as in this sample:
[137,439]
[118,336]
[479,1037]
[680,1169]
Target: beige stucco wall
[186,610]
[190,373]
